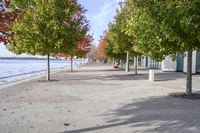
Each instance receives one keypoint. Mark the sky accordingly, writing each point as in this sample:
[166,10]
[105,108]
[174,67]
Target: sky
[99,13]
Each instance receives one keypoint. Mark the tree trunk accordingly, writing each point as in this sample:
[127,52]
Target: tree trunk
[109,61]
[127,62]
[113,61]
[135,64]
[71,63]
[121,64]
[48,68]
[189,73]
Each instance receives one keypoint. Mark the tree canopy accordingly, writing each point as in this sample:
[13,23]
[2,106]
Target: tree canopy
[164,28]
[48,27]
[118,41]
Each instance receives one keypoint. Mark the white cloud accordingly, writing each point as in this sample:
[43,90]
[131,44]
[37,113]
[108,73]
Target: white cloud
[105,13]
[100,20]
[5,53]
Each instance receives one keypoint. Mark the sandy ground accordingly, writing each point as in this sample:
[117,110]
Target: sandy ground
[96,99]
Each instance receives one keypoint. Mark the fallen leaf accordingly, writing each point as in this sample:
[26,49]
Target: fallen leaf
[66,124]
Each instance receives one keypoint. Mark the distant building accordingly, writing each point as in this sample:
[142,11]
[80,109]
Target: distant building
[147,62]
[179,65]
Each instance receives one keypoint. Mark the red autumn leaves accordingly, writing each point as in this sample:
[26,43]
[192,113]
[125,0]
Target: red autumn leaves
[6,18]
[82,48]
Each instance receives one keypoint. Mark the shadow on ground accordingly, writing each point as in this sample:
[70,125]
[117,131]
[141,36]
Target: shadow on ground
[166,76]
[122,76]
[156,114]
[162,76]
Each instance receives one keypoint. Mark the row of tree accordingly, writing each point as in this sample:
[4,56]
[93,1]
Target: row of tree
[156,29]
[47,28]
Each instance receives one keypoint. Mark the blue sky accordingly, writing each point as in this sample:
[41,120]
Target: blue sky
[100,13]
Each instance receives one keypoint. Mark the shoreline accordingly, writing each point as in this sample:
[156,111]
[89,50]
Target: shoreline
[29,78]
[32,76]
[27,69]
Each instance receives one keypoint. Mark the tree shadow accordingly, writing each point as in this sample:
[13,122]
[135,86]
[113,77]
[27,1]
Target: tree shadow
[48,81]
[108,74]
[123,77]
[167,76]
[166,114]
[155,114]
[160,76]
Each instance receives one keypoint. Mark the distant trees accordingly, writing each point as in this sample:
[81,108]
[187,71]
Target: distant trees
[93,53]
[48,27]
[119,44]
[80,50]
[83,46]
[75,38]
[101,55]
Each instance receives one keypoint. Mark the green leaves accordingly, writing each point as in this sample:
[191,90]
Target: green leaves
[156,28]
[35,31]
[163,28]
[119,39]
[48,26]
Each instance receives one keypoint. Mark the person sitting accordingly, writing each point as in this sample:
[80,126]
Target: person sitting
[116,66]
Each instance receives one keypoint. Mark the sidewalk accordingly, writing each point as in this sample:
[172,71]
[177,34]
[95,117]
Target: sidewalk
[97,99]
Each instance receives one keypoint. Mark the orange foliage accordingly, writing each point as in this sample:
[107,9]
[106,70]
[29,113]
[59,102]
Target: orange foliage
[101,48]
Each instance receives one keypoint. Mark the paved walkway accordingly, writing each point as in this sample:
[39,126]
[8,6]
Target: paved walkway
[96,99]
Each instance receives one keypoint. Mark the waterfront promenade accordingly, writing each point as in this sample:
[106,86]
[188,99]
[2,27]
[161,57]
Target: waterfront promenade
[97,99]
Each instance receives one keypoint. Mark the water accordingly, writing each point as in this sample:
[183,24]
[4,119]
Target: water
[12,70]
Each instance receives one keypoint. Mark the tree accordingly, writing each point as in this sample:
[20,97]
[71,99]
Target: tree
[122,43]
[74,35]
[45,26]
[36,32]
[165,28]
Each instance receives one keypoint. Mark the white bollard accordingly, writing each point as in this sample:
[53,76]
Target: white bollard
[151,75]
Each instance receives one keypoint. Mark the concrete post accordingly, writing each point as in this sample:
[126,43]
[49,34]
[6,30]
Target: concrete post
[135,64]
[151,75]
